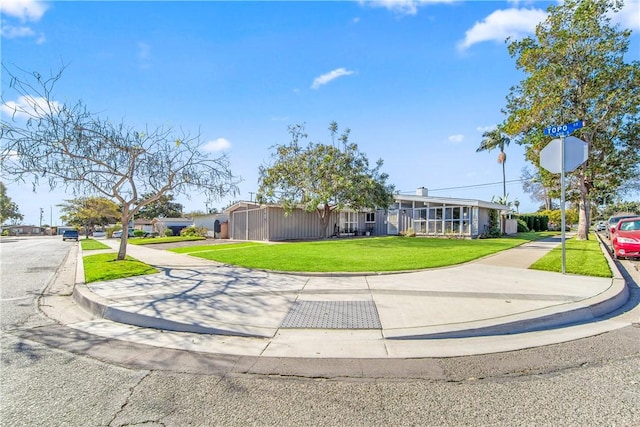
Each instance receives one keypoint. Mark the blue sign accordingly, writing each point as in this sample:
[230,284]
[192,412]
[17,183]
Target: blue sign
[564,130]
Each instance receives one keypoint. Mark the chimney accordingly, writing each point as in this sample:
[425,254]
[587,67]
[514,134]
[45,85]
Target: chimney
[422,192]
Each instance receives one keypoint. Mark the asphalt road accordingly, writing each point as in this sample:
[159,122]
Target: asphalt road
[52,376]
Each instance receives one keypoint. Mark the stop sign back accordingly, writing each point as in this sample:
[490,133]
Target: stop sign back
[576,152]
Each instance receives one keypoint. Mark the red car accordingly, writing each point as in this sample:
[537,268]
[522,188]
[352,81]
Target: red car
[626,238]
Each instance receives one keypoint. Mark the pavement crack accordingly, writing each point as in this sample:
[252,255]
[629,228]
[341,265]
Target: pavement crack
[132,390]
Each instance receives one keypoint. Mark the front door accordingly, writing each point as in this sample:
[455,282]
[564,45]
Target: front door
[392,222]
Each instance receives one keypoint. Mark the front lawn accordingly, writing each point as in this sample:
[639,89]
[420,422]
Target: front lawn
[583,257]
[101,267]
[358,255]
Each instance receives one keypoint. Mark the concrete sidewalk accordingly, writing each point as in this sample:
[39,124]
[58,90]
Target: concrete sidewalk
[491,305]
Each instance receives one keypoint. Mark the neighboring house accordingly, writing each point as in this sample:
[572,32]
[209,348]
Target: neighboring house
[175,224]
[216,224]
[24,230]
[145,225]
[426,216]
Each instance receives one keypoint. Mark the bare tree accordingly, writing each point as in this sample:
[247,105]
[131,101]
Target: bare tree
[68,145]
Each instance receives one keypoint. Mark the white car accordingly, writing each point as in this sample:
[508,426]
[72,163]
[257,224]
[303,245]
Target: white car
[118,234]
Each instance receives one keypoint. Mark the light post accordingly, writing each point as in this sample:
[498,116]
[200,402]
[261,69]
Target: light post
[516,203]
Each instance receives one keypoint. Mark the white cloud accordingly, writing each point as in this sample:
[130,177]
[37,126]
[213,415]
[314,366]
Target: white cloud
[629,16]
[25,10]
[403,7]
[331,75]
[12,32]
[219,144]
[29,107]
[501,24]
[456,139]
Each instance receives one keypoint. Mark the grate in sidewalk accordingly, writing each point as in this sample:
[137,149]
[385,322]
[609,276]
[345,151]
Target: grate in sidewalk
[333,315]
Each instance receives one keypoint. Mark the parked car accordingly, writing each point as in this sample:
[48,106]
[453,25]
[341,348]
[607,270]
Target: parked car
[613,221]
[626,238]
[70,235]
[118,234]
[601,226]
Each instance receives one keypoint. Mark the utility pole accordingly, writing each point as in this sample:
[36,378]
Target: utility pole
[41,213]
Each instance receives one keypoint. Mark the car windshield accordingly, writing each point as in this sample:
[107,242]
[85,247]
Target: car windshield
[630,225]
[616,219]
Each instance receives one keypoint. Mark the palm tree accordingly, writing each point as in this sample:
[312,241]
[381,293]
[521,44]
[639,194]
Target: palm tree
[496,139]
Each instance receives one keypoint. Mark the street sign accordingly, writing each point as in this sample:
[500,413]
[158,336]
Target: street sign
[564,130]
[575,154]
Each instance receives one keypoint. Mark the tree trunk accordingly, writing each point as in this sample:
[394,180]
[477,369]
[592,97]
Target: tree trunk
[122,251]
[504,184]
[583,212]
[324,214]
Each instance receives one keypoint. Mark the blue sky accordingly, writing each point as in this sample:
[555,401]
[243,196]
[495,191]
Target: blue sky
[417,82]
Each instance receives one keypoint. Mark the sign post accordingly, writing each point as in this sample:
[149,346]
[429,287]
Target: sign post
[572,153]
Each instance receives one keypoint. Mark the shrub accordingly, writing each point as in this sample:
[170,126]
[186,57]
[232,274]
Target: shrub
[139,233]
[522,226]
[408,233]
[168,232]
[490,233]
[194,231]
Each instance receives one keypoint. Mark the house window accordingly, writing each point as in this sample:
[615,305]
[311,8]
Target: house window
[370,217]
[35,231]
[348,222]
[420,220]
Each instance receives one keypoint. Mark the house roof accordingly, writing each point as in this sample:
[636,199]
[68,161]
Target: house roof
[450,201]
[174,220]
[446,201]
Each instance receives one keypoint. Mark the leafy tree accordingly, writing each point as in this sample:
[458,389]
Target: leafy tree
[614,208]
[496,138]
[8,208]
[164,207]
[532,183]
[323,177]
[575,70]
[89,212]
[68,145]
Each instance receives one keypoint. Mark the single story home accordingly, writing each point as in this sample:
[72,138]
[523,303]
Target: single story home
[25,230]
[175,224]
[424,215]
[143,224]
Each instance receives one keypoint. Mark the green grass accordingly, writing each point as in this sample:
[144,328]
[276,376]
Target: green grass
[359,255]
[155,240]
[217,247]
[583,257]
[92,245]
[101,267]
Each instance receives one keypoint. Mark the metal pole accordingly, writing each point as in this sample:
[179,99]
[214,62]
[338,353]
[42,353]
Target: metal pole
[562,205]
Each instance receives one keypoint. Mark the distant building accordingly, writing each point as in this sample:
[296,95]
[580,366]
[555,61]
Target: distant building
[25,230]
